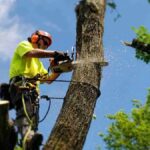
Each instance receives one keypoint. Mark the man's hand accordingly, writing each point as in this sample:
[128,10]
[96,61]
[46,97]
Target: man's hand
[52,62]
[61,56]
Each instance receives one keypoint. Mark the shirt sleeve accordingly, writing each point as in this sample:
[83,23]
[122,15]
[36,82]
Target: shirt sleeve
[23,48]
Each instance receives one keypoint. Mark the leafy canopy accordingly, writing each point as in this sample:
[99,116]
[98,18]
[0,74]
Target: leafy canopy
[130,131]
[142,35]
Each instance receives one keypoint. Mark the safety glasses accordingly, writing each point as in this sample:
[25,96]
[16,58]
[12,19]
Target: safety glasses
[45,41]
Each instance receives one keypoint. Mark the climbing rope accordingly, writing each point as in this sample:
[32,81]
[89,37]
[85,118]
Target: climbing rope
[30,122]
[48,109]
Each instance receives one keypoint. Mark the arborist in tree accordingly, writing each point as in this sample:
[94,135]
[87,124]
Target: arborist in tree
[25,69]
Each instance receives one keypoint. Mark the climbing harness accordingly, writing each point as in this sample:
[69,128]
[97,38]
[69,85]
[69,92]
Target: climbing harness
[31,122]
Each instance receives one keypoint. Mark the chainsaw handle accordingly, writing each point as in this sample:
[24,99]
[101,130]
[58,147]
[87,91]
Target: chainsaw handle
[60,56]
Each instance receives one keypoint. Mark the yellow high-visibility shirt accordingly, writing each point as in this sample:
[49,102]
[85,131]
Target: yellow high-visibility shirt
[23,66]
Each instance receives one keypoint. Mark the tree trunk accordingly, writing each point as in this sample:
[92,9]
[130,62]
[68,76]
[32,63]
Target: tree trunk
[72,125]
[4,127]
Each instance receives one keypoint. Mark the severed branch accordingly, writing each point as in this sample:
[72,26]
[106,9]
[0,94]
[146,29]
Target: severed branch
[138,45]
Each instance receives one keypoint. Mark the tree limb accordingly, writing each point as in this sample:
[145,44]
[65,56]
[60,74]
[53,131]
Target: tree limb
[138,45]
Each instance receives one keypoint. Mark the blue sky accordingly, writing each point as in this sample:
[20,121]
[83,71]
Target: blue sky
[125,79]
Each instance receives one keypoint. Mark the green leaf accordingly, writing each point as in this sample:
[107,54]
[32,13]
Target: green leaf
[112,5]
[94,117]
[100,134]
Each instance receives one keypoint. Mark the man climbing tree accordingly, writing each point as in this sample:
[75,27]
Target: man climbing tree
[25,71]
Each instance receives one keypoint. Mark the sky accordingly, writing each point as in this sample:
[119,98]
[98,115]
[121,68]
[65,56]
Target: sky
[125,79]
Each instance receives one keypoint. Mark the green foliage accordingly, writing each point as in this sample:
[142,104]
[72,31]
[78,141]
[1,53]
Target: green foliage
[130,131]
[142,35]
[143,56]
[112,5]
[94,117]
[136,103]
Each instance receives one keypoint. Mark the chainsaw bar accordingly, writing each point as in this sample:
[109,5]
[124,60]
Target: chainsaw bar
[68,66]
[62,66]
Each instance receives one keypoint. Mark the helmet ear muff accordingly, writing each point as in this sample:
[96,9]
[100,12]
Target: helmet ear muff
[34,38]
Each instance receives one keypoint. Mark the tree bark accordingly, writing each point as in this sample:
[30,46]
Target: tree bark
[72,125]
[4,127]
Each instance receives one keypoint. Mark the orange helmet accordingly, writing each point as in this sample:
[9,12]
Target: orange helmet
[37,35]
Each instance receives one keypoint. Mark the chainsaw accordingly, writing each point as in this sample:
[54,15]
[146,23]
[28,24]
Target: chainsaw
[65,64]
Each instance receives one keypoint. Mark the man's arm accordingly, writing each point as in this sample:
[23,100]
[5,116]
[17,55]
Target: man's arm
[39,53]
[50,78]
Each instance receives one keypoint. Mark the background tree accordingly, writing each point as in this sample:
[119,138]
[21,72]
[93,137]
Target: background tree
[141,43]
[130,131]
[72,125]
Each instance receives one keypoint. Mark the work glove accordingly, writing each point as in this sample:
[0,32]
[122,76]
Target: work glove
[60,56]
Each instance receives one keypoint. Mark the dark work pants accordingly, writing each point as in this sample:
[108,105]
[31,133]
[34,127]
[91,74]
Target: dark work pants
[31,106]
